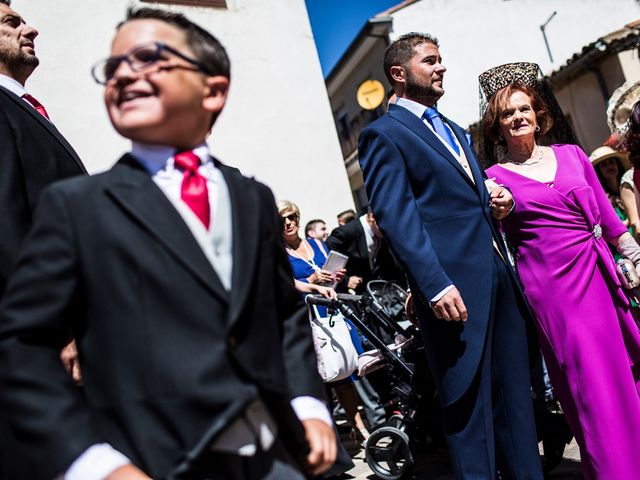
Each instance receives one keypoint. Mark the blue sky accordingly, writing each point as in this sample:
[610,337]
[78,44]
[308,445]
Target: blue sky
[335,23]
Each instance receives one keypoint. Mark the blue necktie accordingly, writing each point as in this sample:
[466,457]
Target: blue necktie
[433,117]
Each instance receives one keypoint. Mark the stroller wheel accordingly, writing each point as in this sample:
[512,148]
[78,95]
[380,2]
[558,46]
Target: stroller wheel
[387,453]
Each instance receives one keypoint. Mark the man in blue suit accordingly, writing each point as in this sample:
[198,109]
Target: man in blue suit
[429,196]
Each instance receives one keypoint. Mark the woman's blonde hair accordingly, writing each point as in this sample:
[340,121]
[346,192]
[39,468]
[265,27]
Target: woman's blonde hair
[285,206]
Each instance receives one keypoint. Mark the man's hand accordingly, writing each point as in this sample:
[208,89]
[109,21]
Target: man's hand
[128,472]
[69,357]
[322,443]
[501,202]
[450,306]
[354,282]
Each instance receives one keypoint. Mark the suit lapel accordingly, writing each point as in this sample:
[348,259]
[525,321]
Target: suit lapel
[413,123]
[45,124]
[134,190]
[244,211]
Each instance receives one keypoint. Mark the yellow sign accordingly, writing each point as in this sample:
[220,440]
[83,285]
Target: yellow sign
[370,94]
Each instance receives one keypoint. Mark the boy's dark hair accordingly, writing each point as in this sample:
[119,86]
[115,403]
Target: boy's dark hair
[400,51]
[311,225]
[6,2]
[206,48]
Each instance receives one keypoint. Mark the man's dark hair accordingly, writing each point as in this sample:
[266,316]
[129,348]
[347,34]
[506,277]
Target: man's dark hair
[6,2]
[206,48]
[347,215]
[311,225]
[400,52]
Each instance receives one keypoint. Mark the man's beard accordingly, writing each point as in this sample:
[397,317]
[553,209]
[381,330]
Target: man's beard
[17,59]
[426,95]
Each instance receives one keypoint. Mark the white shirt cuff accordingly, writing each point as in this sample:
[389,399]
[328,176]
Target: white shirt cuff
[96,463]
[441,294]
[310,407]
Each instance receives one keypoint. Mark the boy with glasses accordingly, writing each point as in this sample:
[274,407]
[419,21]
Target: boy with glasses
[196,356]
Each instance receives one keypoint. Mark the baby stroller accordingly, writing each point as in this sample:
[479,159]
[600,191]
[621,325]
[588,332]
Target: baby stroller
[378,314]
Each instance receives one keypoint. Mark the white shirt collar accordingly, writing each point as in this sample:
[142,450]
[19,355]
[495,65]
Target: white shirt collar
[158,157]
[414,107]
[12,85]
[366,227]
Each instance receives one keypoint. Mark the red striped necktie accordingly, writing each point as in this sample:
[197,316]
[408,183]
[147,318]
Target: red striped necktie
[37,105]
[193,190]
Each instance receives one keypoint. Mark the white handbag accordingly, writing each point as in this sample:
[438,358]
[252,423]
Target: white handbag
[337,356]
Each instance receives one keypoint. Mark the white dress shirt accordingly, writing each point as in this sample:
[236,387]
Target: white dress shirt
[100,460]
[13,86]
[372,242]
[16,87]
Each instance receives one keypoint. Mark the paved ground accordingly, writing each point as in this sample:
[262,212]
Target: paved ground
[436,466]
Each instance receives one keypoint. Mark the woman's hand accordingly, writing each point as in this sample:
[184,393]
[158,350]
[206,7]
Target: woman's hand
[326,292]
[501,202]
[339,275]
[320,276]
[629,248]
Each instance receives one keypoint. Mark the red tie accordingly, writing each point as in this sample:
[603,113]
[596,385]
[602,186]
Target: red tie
[36,104]
[194,186]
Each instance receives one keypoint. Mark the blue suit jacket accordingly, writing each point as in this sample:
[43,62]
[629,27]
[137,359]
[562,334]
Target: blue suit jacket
[439,225]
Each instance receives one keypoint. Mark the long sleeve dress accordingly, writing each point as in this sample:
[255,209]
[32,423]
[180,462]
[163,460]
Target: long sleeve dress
[588,335]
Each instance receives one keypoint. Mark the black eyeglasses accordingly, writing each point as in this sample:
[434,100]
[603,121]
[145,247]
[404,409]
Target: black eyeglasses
[140,58]
[292,217]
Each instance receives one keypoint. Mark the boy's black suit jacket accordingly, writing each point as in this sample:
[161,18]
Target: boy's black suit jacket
[33,154]
[166,353]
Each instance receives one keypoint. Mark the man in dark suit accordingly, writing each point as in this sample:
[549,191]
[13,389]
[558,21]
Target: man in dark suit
[369,255]
[428,192]
[34,153]
[170,272]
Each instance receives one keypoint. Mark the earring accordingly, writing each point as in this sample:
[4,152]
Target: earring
[537,128]
[500,138]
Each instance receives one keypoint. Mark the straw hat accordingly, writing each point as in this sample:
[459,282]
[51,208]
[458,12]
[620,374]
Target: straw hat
[620,106]
[602,153]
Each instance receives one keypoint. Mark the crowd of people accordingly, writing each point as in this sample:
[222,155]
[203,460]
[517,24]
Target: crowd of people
[152,322]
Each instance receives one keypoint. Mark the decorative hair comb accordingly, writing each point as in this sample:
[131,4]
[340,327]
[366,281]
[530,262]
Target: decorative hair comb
[496,78]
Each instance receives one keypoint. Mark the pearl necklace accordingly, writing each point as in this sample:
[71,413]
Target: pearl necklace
[308,251]
[539,155]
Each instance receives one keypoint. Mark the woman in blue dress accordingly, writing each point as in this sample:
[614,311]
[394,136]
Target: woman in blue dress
[307,256]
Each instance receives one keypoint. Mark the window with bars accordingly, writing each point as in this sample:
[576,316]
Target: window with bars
[193,3]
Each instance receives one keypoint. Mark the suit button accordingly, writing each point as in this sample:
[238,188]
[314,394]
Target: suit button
[232,342]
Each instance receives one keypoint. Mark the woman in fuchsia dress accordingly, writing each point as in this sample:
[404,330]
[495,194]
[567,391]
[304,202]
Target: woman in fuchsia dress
[559,230]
